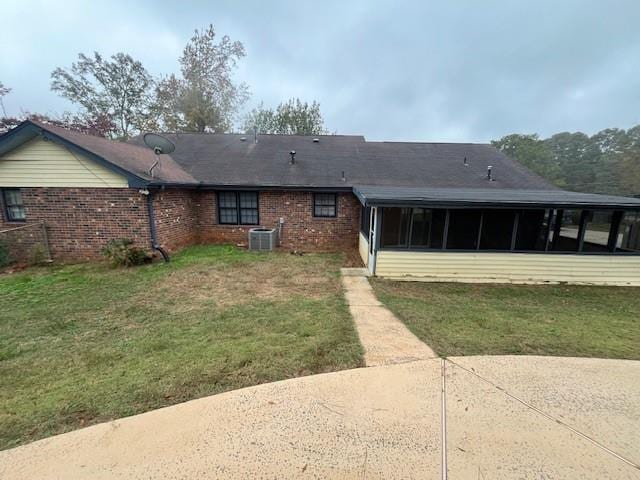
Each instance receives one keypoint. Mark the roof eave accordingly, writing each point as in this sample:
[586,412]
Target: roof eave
[373,202]
[249,187]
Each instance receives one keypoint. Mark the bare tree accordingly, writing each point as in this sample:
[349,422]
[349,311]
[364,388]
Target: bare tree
[98,126]
[3,91]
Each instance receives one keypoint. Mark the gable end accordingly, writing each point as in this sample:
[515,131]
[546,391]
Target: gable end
[43,163]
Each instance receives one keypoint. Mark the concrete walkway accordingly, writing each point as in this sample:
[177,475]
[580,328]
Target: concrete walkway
[386,340]
[506,417]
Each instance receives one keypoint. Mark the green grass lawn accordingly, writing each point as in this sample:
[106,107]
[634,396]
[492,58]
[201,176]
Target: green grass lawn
[85,343]
[464,319]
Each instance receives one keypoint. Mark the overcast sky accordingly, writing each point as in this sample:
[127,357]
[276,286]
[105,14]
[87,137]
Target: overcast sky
[421,70]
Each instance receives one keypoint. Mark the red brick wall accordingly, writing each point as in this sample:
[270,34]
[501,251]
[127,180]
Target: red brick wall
[80,221]
[26,243]
[176,218]
[301,230]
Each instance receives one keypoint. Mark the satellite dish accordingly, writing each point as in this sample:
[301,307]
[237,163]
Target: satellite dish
[158,143]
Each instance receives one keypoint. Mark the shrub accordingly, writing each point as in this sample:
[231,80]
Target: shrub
[122,252]
[5,259]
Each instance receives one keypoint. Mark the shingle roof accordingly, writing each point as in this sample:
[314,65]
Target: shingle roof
[225,159]
[136,159]
[465,197]
[129,158]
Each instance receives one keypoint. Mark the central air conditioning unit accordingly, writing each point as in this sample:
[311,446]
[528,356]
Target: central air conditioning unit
[263,239]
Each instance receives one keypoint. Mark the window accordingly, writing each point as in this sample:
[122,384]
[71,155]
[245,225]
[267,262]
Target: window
[629,234]
[464,226]
[497,229]
[365,220]
[324,205]
[566,237]
[418,228]
[526,230]
[532,230]
[248,208]
[395,227]
[13,206]
[438,223]
[238,208]
[596,231]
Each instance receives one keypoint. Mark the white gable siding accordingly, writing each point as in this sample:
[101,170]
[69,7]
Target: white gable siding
[40,163]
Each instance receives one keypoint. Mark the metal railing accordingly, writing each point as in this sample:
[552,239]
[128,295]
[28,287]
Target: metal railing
[27,244]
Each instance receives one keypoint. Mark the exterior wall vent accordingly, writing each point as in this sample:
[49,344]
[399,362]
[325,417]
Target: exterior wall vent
[263,239]
[316,140]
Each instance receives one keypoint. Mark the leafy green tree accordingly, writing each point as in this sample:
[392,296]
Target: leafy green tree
[628,172]
[292,117]
[607,162]
[578,156]
[205,97]
[533,153]
[611,140]
[119,88]
[633,137]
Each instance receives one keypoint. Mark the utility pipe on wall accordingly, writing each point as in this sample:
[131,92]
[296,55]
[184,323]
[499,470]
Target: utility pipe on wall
[152,226]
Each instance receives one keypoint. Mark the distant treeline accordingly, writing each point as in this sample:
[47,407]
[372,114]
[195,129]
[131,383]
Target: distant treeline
[607,162]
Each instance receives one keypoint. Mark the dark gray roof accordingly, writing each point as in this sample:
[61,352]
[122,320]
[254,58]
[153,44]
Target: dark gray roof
[465,197]
[227,160]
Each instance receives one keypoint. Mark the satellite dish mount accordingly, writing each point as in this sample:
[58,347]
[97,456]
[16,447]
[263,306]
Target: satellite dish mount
[160,145]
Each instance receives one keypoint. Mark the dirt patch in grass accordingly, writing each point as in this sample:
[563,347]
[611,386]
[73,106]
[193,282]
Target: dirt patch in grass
[278,278]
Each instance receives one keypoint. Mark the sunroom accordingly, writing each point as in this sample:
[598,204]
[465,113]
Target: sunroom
[500,235]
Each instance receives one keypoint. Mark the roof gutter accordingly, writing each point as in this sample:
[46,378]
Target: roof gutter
[467,204]
[219,186]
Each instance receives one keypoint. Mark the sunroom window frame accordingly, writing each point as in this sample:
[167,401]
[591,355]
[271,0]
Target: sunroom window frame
[554,227]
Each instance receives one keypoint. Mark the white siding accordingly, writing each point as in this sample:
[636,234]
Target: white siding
[40,163]
[509,267]
[363,248]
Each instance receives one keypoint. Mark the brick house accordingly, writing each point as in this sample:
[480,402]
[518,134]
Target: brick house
[427,211]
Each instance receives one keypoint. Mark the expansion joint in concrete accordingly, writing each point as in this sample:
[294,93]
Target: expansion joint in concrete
[547,416]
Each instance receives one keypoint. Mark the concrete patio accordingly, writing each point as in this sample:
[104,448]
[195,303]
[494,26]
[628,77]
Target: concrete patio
[506,417]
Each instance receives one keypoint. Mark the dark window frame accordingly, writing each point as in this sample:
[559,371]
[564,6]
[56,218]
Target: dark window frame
[618,227]
[549,227]
[409,246]
[335,204]
[238,208]
[365,220]
[6,205]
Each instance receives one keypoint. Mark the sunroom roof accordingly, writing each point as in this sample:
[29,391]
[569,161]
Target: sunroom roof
[486,197]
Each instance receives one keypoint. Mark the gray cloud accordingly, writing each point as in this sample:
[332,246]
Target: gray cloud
[457,71]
